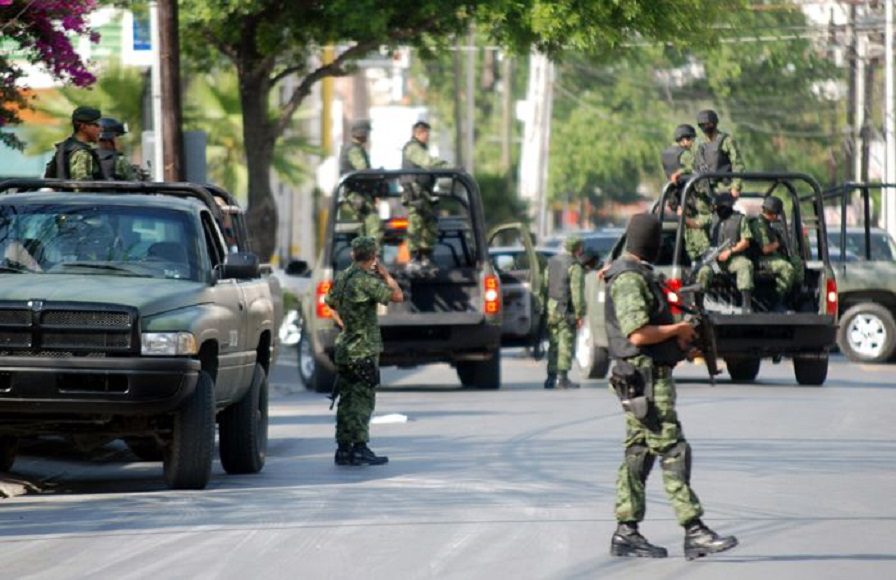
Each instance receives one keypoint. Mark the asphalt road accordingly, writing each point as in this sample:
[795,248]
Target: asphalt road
[516,483]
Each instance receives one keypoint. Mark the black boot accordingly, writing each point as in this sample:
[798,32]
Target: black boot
[564,383]
[362,455]
[627,541]
[427,266]
[551,381]
[746,298]
[701,541]
[343,454]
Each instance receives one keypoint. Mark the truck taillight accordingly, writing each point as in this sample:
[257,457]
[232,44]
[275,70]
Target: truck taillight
[492,294]
[830,297]
[321,308]
[673,297]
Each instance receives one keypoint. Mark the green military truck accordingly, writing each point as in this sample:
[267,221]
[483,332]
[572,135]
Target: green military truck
[452,315]
[804,334]
[134,311]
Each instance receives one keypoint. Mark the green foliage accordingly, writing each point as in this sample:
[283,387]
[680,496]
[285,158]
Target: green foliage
[499,200]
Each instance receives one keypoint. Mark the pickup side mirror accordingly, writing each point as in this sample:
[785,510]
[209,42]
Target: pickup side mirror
[240,265]
[297,268]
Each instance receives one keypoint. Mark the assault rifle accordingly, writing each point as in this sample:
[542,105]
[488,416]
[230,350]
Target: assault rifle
[705,329]
[710,258]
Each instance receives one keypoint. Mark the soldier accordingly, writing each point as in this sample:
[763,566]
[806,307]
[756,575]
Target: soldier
[678,163]
[75,158]
[565,311]
[730,225]
[419,199]
[353,300]
[646,343]
[113,162]
[718,152]
[775,247]
[358,204]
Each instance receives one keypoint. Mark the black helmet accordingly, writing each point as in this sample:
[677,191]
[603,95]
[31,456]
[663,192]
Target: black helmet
[707,117]
[773,204]
[683,131]
[111,128]
[361,128]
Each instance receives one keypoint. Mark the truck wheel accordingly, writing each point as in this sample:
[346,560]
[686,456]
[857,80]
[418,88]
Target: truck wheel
[243,431]
[8,447]
[145,448]
[867,333]
[593,361]
[483,374]
[743,370]
[811,369]
[314,375]
[188,458]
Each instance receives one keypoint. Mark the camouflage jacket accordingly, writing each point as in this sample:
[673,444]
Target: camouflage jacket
[82,165]
[354,295]
[576,292]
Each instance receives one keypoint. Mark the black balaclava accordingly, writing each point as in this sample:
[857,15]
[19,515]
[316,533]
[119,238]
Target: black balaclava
[642,236]
[724,205]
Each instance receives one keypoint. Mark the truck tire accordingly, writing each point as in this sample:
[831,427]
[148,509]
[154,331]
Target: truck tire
[867,333]
[743,370]
[188,458]
[593,361]
[8,447]
[811,369]
[145,448]
[243,428]
[315,376]
[483,374]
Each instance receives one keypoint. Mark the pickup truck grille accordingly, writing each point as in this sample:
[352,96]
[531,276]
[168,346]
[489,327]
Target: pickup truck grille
[61,328]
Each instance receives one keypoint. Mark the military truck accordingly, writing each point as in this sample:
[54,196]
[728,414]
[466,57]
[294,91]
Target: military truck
[134,311]
[804,334]
[452,315]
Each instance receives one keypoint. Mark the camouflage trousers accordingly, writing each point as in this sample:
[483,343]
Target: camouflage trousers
[423,229]
[659,434]
[799,271]
[740,266]
[368,216]
[783,271]
[561,344]
[357,399]
[696,242]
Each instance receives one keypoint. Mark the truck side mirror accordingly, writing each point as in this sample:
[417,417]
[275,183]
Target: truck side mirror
[240,265]
[297,268]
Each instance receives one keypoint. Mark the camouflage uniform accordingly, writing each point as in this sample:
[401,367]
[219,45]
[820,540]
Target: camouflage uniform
[777,262]
[358,206]
[423,228]
[561,321]
[696,239]
[354,296]
[82,165]
[738,264]
[659,434]
[728,147]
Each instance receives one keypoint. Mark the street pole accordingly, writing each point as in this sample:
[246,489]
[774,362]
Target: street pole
[887,196]
[172,116]
[158,159]
[469,135]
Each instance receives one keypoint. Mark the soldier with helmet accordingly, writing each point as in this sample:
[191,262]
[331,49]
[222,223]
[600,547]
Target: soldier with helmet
[565,310]
[678,164]
[718,152]
[75,158]
[359,205]
[776,248]
[114,164]
[419,199]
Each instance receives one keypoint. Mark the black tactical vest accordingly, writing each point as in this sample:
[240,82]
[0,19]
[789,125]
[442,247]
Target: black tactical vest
[711,158]
[672,159]
[728,229]
[558,280]
[58,166]
[664,353]
[107,158]
[779,233]
[345,165]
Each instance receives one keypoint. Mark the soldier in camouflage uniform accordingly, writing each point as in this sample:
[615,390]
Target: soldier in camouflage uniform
[75,158]
[359,205]
[114,163]
[718,152]
[678,164]
[353,299]
[775,247]
[646,343]
[419,199]
[730,225]
[565,282]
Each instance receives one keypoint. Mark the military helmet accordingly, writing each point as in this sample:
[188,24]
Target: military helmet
[84,114]
[707,117]
[685,131]
[360,128]
[111,128]
[572,243]
[724,199]
[773,204]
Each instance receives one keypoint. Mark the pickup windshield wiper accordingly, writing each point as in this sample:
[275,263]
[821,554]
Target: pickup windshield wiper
[96,266]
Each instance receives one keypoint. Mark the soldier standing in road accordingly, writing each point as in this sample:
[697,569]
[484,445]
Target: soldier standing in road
[678,164]
[353,299]
[718,152]
[75,158]
[775,247]
[113,162]
[565,311]
[730,225]
[646,343]
[358,204]
[419,199]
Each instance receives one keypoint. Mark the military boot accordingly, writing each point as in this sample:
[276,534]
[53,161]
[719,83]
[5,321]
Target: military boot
[551,381]
[701,541]
[343,454]
[563,382]
[427,266]
[746,298]
[628,541]
[362,455]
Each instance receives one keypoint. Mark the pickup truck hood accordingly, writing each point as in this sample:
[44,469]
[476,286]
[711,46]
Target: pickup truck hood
[149,295]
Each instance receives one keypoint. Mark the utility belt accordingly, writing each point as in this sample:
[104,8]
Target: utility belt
[634,385]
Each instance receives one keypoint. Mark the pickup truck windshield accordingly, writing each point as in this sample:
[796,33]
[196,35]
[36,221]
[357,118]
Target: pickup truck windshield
[98,240]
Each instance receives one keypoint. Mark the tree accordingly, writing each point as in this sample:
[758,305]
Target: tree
[40,31]
[270,40]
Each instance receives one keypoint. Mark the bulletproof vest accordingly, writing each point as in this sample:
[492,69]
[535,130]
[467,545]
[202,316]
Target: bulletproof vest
[663,353]
[58,166]
[711,158]
[672,159]
[558,280]
[107,158]
[727,229]
[344,164]
[780,233]
[424,181]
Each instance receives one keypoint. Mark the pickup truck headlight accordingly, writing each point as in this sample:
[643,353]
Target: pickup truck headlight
[167,344]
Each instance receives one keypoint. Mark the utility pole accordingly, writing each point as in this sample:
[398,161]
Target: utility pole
[849,147]
[858,104]
[158,150]
[888,202]
[458,106]
[506,116]
[469,131]
[172,116]
[536,139]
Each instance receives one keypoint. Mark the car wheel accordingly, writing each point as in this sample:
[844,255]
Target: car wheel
[743,370]
[8,447]
[811,369]
[188,457]
[593,361]
[483,374]
[243,431]
[867,333]
[145,448]
[315,376]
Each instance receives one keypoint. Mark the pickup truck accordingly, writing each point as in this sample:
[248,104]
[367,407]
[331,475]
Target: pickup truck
[134,311]
[454,315]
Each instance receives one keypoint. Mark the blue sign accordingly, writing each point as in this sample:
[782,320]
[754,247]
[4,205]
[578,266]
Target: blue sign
[142,36]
